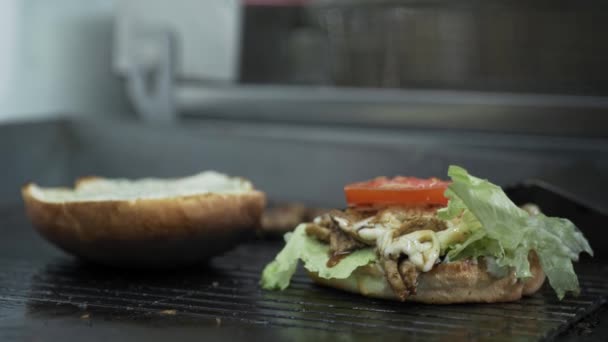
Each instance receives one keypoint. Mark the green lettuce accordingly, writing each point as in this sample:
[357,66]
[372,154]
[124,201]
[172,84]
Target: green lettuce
[510,233]
[315,255]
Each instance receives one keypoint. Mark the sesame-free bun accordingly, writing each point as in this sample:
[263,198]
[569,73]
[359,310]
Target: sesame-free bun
[455,282]
[147,222]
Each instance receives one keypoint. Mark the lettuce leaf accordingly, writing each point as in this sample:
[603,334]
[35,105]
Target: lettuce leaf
[510,233]
[314,254]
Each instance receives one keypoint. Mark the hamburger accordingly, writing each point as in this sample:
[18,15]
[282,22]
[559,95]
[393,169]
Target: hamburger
[433,241]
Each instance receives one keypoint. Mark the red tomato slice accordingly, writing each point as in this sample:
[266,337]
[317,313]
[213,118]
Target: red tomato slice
[398,190]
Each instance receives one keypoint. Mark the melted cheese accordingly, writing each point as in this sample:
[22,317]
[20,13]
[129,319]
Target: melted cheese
[422,247]
[372,234]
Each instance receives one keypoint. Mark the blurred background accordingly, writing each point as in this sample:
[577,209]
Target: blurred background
[514,90]
[56,58]
[69,56]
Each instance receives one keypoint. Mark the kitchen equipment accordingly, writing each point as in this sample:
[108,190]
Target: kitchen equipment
[157,41]
[495,45]
[474,65]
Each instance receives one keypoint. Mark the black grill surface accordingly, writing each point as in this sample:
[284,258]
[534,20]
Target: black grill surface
[45,295]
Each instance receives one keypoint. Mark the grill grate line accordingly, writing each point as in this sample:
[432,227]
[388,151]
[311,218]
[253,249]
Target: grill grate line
[214,311]
[212,316]
[138,303]
[393,305]
[382,304]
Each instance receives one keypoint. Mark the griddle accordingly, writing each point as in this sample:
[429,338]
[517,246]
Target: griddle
[45,295]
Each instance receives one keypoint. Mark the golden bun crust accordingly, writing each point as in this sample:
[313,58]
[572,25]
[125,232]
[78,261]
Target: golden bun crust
[148,232]
[450,283]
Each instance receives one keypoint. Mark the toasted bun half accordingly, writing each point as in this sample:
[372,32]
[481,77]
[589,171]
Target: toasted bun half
[148,222]
[456,282]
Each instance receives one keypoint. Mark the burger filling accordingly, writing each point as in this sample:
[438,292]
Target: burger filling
[407,240]
[407,225]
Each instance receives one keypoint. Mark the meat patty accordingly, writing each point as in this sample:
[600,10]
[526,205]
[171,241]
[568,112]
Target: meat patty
[409,274]
[394,279]
[401,276]
[341,243]
[326,229]
[420,223]
[318,231]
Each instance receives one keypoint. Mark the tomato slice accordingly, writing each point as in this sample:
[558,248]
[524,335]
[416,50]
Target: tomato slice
[398,190]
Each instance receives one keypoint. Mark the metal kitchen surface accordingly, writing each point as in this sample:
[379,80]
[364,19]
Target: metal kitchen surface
[45,295]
